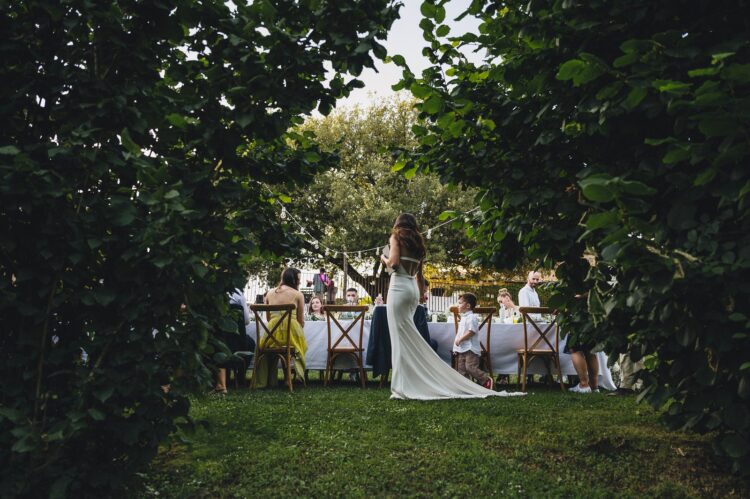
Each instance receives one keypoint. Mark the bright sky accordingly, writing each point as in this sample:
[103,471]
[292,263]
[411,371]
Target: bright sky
[405,38]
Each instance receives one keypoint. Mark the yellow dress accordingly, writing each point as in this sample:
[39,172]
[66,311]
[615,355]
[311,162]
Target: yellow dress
[279,340]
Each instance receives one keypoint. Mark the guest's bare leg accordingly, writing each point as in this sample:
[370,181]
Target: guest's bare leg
[221,380]
[579,363]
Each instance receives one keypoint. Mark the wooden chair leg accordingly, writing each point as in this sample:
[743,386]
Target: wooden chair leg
[362,378]
[525,368]
[326,370]
[519,360]
[255,371]
[559,374]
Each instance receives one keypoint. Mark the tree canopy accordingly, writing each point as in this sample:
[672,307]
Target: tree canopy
[619,133]
[352,206]
[136,140]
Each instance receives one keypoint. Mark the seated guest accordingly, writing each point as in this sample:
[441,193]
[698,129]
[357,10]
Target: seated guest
[509,313]
[287,292]
[238,341]
[315,310]
[421,317]
[352,299]
[528,297]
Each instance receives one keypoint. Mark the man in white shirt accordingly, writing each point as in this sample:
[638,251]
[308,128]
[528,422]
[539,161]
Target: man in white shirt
[527,296]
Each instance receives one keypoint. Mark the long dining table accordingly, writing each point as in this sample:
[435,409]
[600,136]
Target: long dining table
[505,339]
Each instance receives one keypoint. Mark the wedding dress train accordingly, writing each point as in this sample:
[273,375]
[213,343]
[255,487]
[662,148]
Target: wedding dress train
[418,372]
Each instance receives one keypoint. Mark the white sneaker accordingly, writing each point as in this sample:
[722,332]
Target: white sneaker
[579,389]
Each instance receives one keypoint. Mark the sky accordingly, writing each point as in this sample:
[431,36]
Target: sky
[405,38]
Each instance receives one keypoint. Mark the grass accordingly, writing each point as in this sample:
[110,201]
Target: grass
[348,442]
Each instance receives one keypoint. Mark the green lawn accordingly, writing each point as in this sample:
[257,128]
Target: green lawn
[345,441]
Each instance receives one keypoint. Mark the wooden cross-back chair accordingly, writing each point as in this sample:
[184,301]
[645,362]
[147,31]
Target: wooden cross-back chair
[345,344]
[282,350]
[544,347]
[487,313]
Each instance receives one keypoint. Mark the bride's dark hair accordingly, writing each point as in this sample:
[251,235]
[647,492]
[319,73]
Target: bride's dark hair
[408,236]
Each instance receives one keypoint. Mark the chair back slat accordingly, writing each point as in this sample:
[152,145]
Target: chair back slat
[358,320]
[283,324]
[542,334]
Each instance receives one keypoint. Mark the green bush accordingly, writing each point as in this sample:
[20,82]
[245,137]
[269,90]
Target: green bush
[135,140]
[610,140]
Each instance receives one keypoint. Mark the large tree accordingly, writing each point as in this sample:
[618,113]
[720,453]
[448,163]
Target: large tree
[136,137]
[616,132]
[353,205]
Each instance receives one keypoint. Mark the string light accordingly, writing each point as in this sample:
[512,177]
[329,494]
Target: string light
[317,244]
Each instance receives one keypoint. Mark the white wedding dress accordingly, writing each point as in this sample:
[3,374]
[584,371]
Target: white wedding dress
[418,372]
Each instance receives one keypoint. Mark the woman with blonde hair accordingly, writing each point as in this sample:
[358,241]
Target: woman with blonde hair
[508,310]
[418,372]
[287,292]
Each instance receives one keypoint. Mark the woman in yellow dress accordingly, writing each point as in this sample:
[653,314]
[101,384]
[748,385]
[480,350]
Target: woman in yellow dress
[285,293]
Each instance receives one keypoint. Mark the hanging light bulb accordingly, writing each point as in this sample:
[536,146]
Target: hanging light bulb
[429,233]
[377,251]
[283,213]
[359,254]
[335,254]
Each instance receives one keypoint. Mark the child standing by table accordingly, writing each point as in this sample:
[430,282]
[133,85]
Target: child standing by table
[467,345]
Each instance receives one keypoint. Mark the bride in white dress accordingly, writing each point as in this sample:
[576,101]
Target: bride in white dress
[418,372]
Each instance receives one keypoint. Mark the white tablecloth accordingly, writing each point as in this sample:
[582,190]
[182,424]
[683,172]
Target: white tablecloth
[506,338]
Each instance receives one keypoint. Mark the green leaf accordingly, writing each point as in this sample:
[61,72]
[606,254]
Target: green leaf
[705,177]
[600,220]
[9,150]
[738,73]
[635,188]
[695,73]
[427,9]
[734,445]
[312,157]
[96,414]
[717,125]
[672,86]
[409,174]
[177,120]
[597,192]
[569,69]
[443,30]
[399,165]
[433,104]
[446,215]
[104,296]
[676,155]
[716,58]
[635,96]
[128,143]
[104,393]
[420,91]
[626,60]
[581,71]
[171,194]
